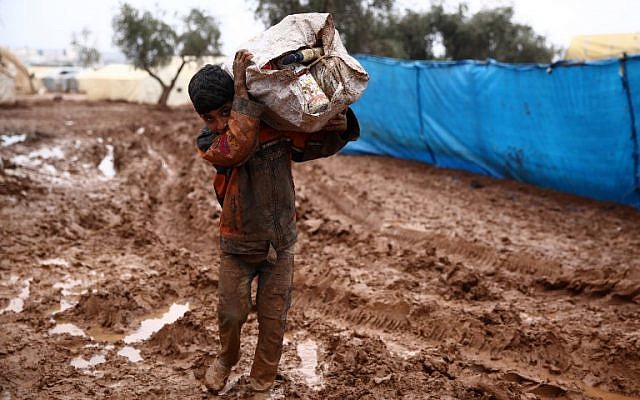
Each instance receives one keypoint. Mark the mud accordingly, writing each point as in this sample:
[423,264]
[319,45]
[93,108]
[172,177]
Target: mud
[411,282]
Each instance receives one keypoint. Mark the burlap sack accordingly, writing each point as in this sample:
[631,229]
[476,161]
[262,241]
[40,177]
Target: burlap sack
[341,75]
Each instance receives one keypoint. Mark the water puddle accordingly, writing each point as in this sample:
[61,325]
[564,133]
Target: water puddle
[400,350]
[595,392]
[131,353]
[35,158]
[100,334]
[308,353]
[8,140]
[107,166]
[81,363]
[17,304]
[55,262]
[70,329]
[163,162]
[66,292]
[147,328]
[150,326]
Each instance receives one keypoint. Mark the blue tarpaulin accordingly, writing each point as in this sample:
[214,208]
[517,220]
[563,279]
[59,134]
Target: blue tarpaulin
[570,127]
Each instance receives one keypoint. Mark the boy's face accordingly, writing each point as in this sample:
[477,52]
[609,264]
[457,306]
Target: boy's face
[217,120]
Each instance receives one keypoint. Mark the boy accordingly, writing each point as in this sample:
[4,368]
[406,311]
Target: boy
[254,185]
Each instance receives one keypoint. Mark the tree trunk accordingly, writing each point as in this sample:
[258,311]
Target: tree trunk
[164,97]
[166,89]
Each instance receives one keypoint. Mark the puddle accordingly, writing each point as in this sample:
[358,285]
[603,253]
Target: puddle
[35,156]
[81,363]
[55,262]
[71,329]
[398,349]
[595,392]
[147,328]
[104,335]
[308,353]
[66,292]
[8,140]
[163,162]
[131,353]
[107,166]
[17,304]
[150,326]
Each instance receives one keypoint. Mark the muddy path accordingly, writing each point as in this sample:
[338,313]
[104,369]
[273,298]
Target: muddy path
[411,282]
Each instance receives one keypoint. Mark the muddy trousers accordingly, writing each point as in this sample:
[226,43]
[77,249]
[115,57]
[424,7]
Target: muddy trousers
[272,302]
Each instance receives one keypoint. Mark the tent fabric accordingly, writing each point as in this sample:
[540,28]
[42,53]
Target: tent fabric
[7,86]
[124,82]
[593,47]
[12,62]
[568,128]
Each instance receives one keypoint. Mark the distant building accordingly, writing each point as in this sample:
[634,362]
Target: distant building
[46,57]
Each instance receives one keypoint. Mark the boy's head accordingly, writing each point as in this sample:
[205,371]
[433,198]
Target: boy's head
[211,92]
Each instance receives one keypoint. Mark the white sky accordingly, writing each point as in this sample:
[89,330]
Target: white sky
[48,24]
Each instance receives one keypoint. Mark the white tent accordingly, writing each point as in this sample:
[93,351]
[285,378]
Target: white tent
[124,82]
[593,47]
[7,86]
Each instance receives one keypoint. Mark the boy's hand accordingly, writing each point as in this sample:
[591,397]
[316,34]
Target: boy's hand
[240,63]
[337,123]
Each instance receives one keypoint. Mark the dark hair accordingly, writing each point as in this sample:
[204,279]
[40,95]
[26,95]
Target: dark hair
[210,88]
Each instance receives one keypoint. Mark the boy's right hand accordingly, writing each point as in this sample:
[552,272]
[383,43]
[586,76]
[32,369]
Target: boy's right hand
[240,63]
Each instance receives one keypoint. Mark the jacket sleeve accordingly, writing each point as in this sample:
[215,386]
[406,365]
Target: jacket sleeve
[324,144]
[234,146]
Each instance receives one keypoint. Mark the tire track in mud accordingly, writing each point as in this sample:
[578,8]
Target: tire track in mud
[492,334]
[550,274]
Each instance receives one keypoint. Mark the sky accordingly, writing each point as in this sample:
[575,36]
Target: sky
[48,24]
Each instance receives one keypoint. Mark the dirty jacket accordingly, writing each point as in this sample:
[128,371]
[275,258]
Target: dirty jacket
[253,181]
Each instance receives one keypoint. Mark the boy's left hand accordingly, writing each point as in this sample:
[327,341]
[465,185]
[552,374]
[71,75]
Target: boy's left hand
[337,123]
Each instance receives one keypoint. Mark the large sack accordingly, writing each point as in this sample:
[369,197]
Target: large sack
[341,75]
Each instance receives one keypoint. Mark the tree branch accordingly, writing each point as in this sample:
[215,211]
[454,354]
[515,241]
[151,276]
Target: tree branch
[173,81]
[154,76]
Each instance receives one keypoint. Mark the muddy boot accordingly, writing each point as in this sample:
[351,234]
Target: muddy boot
[216,376]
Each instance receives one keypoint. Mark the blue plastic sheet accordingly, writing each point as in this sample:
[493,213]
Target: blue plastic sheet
[569,128]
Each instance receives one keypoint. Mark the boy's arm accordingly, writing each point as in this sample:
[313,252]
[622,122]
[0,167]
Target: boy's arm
[238,142]
[324,143]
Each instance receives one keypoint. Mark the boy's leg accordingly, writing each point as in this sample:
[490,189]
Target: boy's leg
[273,300]
[234,303]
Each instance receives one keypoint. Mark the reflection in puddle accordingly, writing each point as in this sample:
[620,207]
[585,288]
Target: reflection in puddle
[147,328]
[150,326]
[8,140]
[34,159]
[398,349]
[66,291]
[104,335]
[17,304]
[81,363]
[308,353]
[55,262]
[130,353]
[107,166]
[70,329]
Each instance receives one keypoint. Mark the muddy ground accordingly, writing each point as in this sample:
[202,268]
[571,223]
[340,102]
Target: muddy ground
[411,282]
